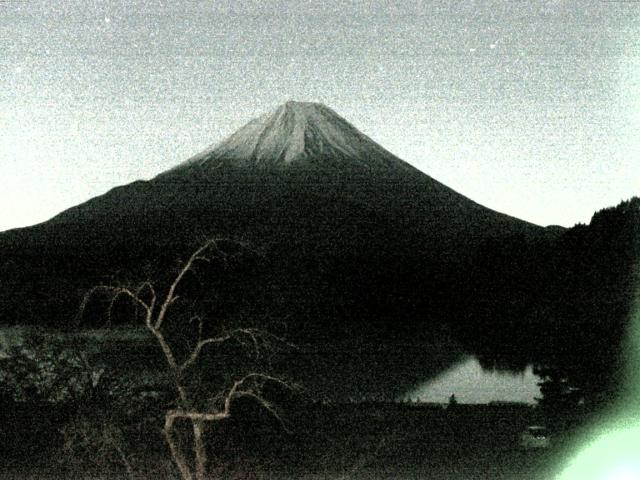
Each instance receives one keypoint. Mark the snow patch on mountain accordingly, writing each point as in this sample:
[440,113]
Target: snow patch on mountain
[297,133]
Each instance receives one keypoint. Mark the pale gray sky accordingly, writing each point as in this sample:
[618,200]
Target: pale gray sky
[528,107]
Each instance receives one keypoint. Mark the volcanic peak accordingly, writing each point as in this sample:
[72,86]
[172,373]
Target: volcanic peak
[297,133]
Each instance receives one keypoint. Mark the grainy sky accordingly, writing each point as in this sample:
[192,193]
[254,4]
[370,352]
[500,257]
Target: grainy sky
[529,107]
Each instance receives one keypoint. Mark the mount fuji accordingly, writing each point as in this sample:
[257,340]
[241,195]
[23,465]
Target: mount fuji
[297,133]
[351,238]
[350,252]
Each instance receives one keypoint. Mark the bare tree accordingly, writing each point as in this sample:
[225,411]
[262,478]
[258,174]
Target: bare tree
[155,309]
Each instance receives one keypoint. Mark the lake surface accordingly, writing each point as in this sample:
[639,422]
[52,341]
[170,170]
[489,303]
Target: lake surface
[343,374]
[472,384]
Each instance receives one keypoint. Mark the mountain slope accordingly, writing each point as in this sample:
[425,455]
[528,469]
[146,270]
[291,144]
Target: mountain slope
[297,132]
[302,154]
[354,241]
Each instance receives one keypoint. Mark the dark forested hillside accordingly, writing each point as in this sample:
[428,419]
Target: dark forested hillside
[565,302]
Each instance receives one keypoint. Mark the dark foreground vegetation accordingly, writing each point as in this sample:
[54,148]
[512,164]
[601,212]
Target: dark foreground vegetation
[93,405]
[339,441]
[80,410]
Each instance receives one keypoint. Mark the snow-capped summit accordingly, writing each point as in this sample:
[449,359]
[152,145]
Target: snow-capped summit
[297,133]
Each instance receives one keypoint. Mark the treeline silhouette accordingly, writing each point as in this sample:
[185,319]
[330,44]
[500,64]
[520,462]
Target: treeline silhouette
[563,304]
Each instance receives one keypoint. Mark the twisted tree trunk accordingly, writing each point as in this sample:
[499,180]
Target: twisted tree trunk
[249,386]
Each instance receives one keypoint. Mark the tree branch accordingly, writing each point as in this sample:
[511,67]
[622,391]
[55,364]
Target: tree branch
[148,285]
[195,353]
[116,292]
[170,298]
[249,386]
